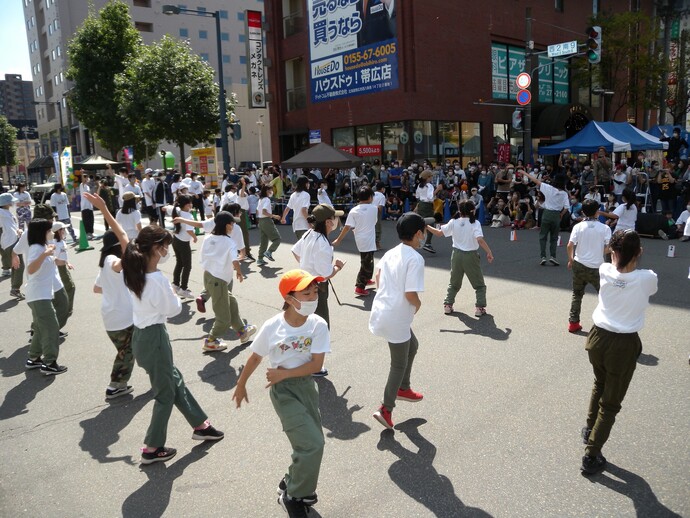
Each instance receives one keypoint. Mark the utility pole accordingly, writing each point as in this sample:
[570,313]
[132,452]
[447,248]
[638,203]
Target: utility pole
[663,91]
[529,46]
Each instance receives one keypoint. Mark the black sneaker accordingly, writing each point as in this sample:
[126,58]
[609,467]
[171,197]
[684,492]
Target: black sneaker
[53,369]
[585,434]
[208,434]
[33,364]
[162,454]
[307,500]
[593,465]
[17,294]
[429,248]
[542,261]
[553,261]
[295,508]
[64,334]
[321,373]
[112,393]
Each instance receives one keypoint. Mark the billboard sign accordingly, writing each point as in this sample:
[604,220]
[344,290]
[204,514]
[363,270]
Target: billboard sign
[353,47]
[255,63]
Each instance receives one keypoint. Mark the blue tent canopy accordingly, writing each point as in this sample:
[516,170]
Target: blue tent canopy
[613,136]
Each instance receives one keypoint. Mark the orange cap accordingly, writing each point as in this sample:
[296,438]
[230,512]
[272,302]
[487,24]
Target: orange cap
[296,280]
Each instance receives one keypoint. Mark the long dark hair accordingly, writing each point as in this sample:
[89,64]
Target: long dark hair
[301,184]
[38,228]
[113,250]
[264,190]
[135,259]
[626,244]
[466,210]
[129,206]
[181,201]
[629,196]
[221,220]
[318,226]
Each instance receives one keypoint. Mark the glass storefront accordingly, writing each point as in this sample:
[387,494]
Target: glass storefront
[344,138]
[369,141]
[471,142]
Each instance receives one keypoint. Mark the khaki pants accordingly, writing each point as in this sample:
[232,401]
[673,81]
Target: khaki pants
[402,358]
[268,232]
[613,357]
[466,263]
[296,401]
[45,342]
[152,351]
[582,276]
[225,307]
[18,274]
[124,361]
[68,283]
[550,227]
[244,225]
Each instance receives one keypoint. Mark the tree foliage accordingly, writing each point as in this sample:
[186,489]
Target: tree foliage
[678,96]
[102,48]
[8,143]
[627,67]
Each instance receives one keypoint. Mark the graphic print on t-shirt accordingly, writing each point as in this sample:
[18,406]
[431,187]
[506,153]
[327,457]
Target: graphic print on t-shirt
[299,344]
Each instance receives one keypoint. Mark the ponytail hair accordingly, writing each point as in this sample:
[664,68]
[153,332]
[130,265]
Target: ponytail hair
[629,196]
[466,210]
[135,258]
[318,226]
[626,245]
[181,201]
[222,220]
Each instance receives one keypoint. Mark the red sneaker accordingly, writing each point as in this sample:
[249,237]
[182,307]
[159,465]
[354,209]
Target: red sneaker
[361,292]
[384,416]
[409,395]
[371,282]
[574,327]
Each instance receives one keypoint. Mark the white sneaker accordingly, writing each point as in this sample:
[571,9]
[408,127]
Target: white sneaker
[6,273]
[176,290]
[186,294]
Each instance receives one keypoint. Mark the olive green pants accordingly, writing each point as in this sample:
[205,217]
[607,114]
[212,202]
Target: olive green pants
[61,305]
[582,276]
[124,361]
[225,306]
[402,358]
[466,263]
[426,210]
[46,339]
[68,283]
[244,225]
[18,274]
[613,357]
[153,353]
[322,306]
[296,401]
[550,227]
[268,232]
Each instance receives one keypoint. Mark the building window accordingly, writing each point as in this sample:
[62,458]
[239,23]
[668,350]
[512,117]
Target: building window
[59,51]
[203,35]
[142,3]
[241,37]
[143,26]
[224,36]
[62,77]
[204,56]
[223,14]
[243,60]
[50,29]
[226,58]
[344,139]
[52,54]
[184,33]
[244,80]
[393,145]
[471,142]
[559,5]
[240,16]
[369,141]
[449,140]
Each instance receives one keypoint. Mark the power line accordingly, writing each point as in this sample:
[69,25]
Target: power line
[565,29]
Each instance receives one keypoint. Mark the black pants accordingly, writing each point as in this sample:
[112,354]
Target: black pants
[183,263]
[87,218]
[198,204]
[366,269]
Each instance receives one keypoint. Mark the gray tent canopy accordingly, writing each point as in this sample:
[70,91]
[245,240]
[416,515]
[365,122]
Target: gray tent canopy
[323,156]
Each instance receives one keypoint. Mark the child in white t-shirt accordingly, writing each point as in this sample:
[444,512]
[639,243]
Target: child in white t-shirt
[295,342]
[591,237]
[362,219]
[379,202]
[253,200]
[400,279]
[62,263]
[298,203]
[322,194]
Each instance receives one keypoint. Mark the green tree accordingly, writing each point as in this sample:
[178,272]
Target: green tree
[627,67]
[8,144]
[102,48]
[169,93]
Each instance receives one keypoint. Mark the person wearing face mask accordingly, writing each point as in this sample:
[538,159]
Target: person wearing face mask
[267,229]
[295,342]
[400,279]
[485,184]
[153,303]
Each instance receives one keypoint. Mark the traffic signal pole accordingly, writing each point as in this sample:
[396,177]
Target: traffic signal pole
[527,130]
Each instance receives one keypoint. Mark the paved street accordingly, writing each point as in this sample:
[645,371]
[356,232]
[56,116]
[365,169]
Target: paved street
[496,435]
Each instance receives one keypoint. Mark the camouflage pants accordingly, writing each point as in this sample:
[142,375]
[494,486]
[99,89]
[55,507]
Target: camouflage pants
[124,361]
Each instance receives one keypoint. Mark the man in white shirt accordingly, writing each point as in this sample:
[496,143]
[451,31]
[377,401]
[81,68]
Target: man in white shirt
[147,185]
[196,191]
[121,180]
[86,207]
[556,205]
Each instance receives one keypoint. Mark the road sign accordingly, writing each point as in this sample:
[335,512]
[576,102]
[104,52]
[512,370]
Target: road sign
[562,49]
[523,80]
[523,97]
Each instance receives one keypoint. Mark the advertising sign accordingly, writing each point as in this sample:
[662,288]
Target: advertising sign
[204,162]
[255,63]
[66,166]
[314,136]
[353,47]
[499,71]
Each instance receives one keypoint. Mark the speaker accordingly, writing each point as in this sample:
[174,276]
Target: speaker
[648,225]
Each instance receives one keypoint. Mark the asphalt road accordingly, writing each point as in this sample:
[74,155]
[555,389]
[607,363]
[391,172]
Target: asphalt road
[496,435]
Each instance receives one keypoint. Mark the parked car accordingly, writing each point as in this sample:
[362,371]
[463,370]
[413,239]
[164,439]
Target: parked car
[41,192]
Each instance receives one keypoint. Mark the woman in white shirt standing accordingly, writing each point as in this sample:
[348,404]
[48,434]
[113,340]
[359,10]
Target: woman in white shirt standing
[153,303]
[40,283]
[23,204]
[613,343]
[8,239]
[425,203]
[181,245]
[129,217]
[625,214]
[60,204]
[299,203]
[267,229]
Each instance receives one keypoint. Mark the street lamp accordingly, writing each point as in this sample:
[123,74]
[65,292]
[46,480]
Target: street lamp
[173,9]
[260,123]
[59,105]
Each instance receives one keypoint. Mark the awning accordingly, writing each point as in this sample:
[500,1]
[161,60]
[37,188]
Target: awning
[612,136]
[42,162]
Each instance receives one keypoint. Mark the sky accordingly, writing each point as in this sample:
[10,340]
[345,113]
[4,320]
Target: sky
[14,50]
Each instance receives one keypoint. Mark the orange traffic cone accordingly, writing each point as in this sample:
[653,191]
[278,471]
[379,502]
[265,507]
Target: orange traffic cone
[513,235]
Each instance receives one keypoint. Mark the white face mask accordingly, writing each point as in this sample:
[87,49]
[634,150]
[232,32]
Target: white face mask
[163,258]
[307,307]
[421,241]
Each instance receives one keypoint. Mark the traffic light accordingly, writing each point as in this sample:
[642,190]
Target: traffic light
[236,130]
[594,44]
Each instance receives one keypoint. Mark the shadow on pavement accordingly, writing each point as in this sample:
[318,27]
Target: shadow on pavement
[335,414]
[13,364]
[648,359]
[17,398]
[219,372]
[104,429]
[268,271]
[415,474]
[481,326]
[153,497]
[184,316]
[636,489]
[9,304]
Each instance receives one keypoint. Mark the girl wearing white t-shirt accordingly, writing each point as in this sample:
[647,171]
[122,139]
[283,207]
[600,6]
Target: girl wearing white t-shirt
[23,204]
[62,263]
[182,236]
[60,204]
[40,283]
[267,229]
[153,303]
[467,236]
[295,342]
[299,203]
[625,215]
[613,344]
[116,302]
[425,195]
[129,217]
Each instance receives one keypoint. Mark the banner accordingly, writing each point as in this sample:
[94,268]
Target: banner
[56,163]
[67,167]
[353,47]
[204,163]
[255,63]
